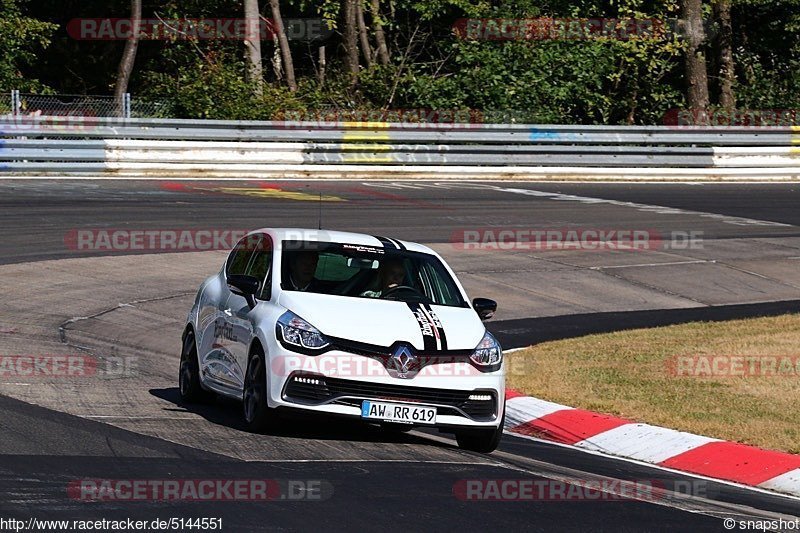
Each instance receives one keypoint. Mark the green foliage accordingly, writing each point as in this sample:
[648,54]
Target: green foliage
[432,66]
[768,68]
[20,38]
[766,86]
[215,87]
[584,81]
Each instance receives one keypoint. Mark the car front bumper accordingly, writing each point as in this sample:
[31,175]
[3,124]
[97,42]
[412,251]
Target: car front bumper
[337,383]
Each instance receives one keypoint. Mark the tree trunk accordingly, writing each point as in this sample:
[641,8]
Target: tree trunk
[128,58]
[277,62]
[283,41]
[323,63]
[696,74]
[727,74]
[380,37]
[366,49]
[631,118]
[252,46]
[350,40]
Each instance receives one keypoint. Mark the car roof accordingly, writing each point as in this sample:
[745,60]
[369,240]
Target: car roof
[324,235]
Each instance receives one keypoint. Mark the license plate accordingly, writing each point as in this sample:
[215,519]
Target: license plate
[398,412]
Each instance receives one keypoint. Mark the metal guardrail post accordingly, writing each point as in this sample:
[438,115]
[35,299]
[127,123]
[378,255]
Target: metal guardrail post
[126,103]
[16,104]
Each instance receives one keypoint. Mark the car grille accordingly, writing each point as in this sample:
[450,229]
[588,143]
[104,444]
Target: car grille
[315,389]
[382,353]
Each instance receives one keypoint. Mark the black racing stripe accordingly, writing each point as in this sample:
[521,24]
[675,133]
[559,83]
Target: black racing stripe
[398,244]
[439,326]
[428,336]
[387,243]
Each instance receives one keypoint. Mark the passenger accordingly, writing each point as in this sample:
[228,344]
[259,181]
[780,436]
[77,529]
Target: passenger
[302,267]
[390,275]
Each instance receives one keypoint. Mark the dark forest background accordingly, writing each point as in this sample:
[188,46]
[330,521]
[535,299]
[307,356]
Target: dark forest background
[713,59]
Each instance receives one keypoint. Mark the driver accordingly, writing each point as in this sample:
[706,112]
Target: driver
[390,275]
[302,267]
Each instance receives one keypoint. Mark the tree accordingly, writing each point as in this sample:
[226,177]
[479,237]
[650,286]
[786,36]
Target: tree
[252,45]
[323,64]
[727,74]
[283,43]
[350,41]
[366,49]
[380,37]
[128,57]
[696,74]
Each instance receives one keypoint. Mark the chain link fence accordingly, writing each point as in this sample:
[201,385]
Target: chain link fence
[79,106]
[68,105]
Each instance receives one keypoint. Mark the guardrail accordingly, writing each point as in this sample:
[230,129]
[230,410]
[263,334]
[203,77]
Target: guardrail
[197,148]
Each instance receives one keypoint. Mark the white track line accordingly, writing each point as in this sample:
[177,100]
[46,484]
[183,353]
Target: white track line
[669,263]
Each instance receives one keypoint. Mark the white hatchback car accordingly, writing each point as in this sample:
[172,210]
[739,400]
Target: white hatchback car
[345,324]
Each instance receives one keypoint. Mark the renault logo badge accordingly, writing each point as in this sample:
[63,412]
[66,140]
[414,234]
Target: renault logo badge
[403,361]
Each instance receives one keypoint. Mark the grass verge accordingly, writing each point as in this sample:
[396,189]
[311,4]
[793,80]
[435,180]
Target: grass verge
[736,380]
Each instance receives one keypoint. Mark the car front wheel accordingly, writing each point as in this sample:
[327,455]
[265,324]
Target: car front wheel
[257,414]
[481,441]
[189,375]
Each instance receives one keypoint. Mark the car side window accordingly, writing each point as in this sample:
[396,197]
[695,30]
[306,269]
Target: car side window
[260,266]
[437,284]
[239,257]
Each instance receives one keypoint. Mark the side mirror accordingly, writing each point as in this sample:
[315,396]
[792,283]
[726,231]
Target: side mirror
[246,286]
[484,307]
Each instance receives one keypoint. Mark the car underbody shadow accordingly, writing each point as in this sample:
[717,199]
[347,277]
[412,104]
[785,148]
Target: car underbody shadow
[295,424]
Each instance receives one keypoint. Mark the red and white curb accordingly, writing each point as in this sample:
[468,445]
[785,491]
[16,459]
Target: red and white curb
[678,450]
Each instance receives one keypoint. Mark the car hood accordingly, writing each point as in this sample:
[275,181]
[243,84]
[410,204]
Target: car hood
[384,322]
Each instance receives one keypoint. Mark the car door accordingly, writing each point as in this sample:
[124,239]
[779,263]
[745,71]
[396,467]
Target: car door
[238,314]
[217,361]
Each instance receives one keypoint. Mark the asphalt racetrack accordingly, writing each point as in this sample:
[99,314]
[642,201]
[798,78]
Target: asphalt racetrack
[713,251]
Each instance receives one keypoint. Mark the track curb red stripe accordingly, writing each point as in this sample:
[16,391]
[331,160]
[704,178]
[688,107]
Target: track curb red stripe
[695,454]
[734,462]
[569,426]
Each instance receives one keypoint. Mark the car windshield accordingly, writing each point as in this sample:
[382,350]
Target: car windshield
[360,271]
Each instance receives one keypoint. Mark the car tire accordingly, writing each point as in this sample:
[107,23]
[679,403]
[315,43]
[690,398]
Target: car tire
[258,416]
[481,441]
[189,384]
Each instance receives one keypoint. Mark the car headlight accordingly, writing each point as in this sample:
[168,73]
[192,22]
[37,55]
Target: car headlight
[488,352]
[295,331]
